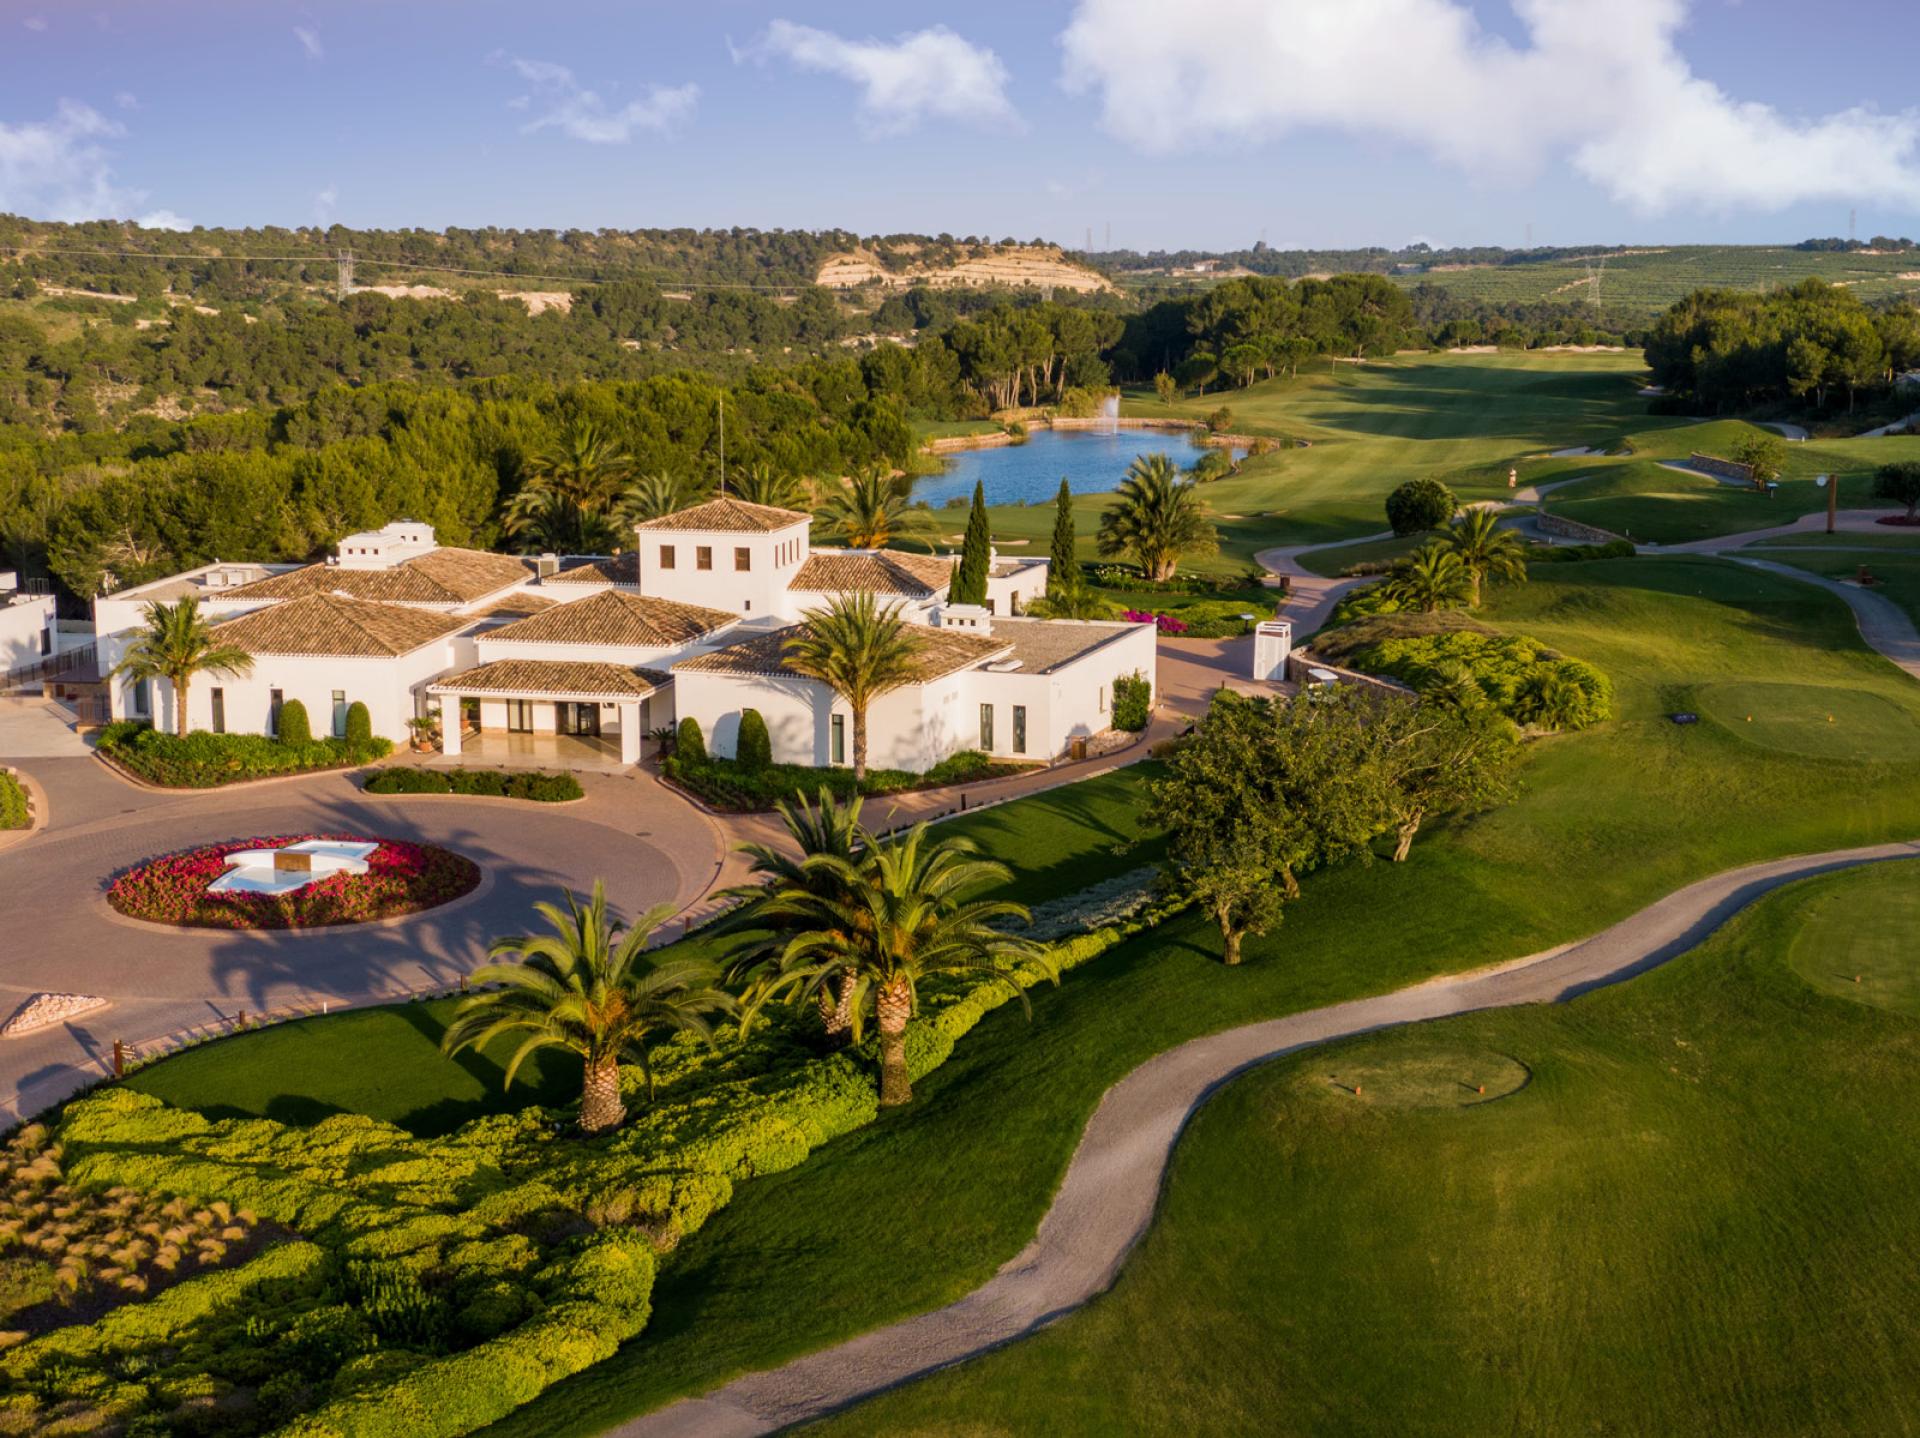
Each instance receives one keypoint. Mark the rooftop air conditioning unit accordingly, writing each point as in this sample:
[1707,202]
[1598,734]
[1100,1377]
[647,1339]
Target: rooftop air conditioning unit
[9,581]
[547,565]
[1004,666]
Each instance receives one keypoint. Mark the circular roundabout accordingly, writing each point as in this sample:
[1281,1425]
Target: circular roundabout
[292,881]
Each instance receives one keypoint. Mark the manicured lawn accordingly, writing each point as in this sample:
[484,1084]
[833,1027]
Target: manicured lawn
[1649,503]
[1894,539]
[1464,418]
[1336,560]
[1694,1217]
[386,1061]
[1898,573]
[1609,820]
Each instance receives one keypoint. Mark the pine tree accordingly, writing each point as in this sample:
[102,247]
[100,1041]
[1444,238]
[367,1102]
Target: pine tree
[1064,568]
[970,577]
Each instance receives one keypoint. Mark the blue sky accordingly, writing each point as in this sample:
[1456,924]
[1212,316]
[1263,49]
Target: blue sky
[1203,123]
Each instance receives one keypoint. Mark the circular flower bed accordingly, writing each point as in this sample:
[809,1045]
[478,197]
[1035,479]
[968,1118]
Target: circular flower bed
[401,878]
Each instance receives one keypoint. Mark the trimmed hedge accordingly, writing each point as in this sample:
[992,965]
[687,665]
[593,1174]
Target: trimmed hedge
[753,748]
[206,761]
[359,724]
[447,1222]
[727,784]
[535,785]
[1575,553]
[689,743]
[294,727]
[14,812]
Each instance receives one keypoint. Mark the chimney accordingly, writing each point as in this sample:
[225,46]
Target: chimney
[966,618]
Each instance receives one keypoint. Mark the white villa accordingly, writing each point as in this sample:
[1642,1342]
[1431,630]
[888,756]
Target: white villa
[27,632]
[598,651]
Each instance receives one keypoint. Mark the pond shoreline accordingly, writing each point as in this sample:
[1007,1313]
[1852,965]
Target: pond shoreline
[1196,429]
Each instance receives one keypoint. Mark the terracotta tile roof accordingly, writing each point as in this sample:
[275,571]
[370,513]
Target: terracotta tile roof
[518,605]
[615,617]
[730,515]
[876,571]
[558,678]
[326,624]
[442,576]
[937,652]
[604,569]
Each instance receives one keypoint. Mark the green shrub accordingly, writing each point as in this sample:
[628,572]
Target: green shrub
[13,803]
[359,724]
[535,785]
[726,784]
[1518,676]
[1420,504]
[294,727]
[753,748]
[1575,553]
[689,744]
[1132,701]
[206,761]
[1220,420]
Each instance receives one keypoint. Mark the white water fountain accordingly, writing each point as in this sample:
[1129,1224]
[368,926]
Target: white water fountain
[290,867]
[1110,414]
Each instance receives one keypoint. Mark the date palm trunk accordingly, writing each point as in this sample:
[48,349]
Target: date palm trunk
[179,682]
[600,1106]
[859,744]
[836,1011]
[895,1006]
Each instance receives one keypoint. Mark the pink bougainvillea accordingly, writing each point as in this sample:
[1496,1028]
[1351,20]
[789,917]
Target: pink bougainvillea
[1165,623]
[401,878]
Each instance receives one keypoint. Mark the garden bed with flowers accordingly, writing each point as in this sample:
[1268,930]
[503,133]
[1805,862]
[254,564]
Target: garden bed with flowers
[401,878]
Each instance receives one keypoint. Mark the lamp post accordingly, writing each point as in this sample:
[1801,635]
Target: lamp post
[1831,485]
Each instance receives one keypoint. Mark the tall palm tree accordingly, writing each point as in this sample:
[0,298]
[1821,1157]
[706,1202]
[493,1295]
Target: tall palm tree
[1157,517]
[544,520]
[906,910]
[591,988]
[652,496]
[763,484]
[1429,579]
[860,650]
[867,511]
[176,645]
[1486,552]
[830,831]
[584,463]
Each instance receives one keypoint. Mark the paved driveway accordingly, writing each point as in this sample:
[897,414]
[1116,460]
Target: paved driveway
[34,729]
[56,932]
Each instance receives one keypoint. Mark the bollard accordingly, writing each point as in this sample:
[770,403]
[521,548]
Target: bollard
[119,1059]
[240,1020]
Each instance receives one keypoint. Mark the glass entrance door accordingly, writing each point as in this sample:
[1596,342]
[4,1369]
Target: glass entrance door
[582,720]
[519,716]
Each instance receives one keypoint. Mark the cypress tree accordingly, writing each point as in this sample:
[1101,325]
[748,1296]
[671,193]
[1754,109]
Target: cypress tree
[970,576]
[1064,568]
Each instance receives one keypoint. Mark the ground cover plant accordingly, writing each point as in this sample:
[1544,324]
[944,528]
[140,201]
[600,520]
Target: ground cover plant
[401,878]
[727,784]
[1420,1257]
[15,812]
[529,784]
[205,761]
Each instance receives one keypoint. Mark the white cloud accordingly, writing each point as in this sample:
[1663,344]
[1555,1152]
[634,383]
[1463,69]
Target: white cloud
[326,203]
[59,168]
[1602,86]
[127,100]
[163,220]
[36,23]
[928,74]
[566,106]
[310,42]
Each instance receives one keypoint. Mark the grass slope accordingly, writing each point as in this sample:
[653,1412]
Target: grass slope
[1692,1218]
[1609,820]
[1898,573]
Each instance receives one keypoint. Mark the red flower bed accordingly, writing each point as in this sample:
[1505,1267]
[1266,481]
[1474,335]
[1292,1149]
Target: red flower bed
[401,878]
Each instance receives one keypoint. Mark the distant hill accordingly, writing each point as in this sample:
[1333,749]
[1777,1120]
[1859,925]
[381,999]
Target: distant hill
[946,266]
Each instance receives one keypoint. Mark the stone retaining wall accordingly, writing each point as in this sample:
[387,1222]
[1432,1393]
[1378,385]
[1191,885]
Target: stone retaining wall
[1723,468]
[1565,528]
[1301,660]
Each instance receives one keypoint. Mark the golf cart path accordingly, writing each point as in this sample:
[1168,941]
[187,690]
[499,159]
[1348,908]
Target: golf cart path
[1883,624]
[1107,1198]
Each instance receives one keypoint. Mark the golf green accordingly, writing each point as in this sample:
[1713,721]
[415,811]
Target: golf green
[1822,721]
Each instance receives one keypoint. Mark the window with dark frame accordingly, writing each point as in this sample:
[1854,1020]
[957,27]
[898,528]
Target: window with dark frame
[1019,728]
[703,556]
[666,556]
[275,699]
[986,727]
[839,738]
[742,559]
[219,710]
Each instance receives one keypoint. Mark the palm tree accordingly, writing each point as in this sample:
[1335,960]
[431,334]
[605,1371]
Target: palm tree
[1429,579]
[591,988]
[830,831]
[653,496]
[584,464]
[1486,551]
[763,484]
[1157,517]
[860,650]
[176,645]
[902,914]
[867,511]
[1453,688]
[553,523]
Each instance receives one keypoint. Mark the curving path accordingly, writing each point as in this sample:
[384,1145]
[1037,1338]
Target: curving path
[1107,1198]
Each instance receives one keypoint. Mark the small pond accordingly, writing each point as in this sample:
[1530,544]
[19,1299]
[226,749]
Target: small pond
[1029,473]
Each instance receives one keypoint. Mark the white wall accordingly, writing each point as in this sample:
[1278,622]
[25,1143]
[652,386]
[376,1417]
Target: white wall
[23,625]
[1011,594]
[386,686]
[760,589]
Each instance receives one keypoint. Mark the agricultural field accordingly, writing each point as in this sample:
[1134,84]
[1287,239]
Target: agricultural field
[1679,1202]
[1636,285]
